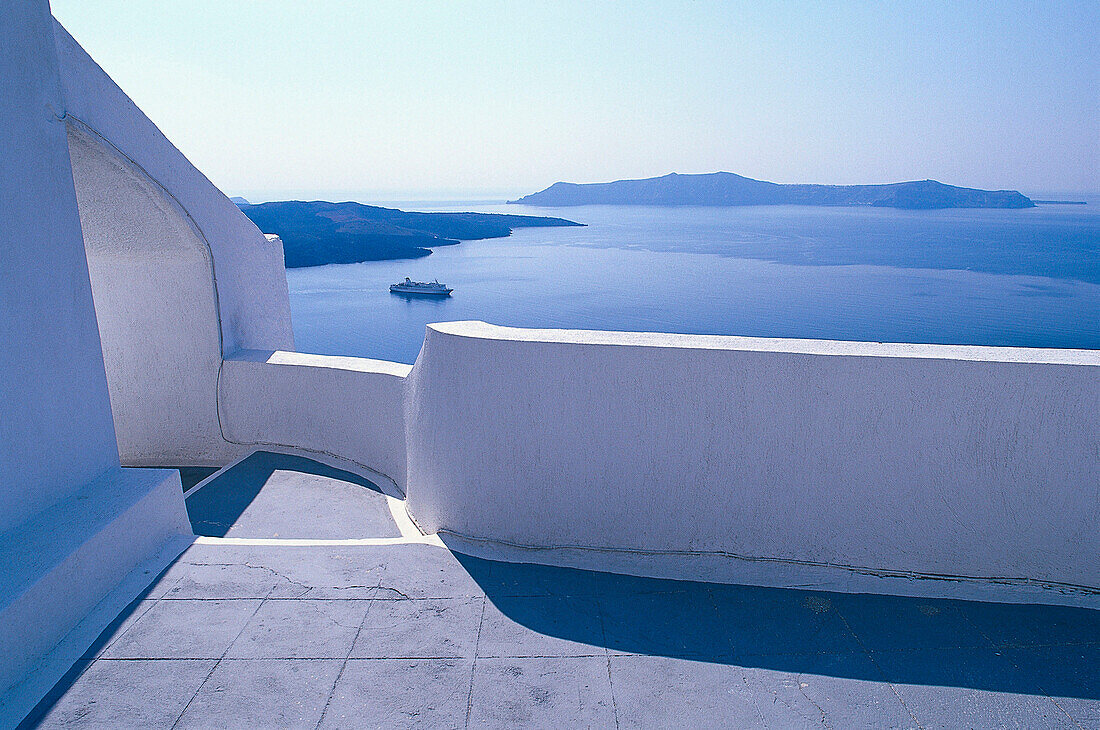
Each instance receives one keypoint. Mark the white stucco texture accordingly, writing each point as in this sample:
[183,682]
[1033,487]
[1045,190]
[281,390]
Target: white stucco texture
[74,525]
[156,308]
[934,460]
[55,418]
[179,275]
[248,271]
[348,407]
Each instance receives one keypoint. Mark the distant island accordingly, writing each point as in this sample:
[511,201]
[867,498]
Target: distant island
[728,189]
[317,233]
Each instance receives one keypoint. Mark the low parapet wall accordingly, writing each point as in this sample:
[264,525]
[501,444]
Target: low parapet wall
[347,407]
[893,459]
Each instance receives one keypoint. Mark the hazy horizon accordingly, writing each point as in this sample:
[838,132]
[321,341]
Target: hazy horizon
[430,198]
[437,101]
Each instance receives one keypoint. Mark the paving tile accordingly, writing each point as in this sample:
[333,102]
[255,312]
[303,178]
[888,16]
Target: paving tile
[424,571]
[286,571]
[831,690]
[660,691]
[889,623]
[797,622]
[341,572]
[968,688]
[300,629]
[128,694]
[405,693]
[620,583]
[1008,624]
[118,627]
[1069,674]
[423,628]
[526,579]
[542,692]
[673,692]
[159,584]
[184,629]
[666,624]
[540,626]
[250,500]
[221,580]
[258,693]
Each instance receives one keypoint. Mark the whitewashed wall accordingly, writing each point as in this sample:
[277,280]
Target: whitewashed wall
[55,418]
[179,275]
[968,461]
[248,270]
[156,308]
[348,407]
[67,508]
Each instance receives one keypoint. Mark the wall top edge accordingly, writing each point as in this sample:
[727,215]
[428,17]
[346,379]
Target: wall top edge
[332,362]
[1034,355]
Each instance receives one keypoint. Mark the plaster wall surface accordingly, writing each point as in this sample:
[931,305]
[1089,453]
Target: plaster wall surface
[932,460]
[74,526]
[55,419]
[179,275]
[248,271]
[348,407]
[156,309]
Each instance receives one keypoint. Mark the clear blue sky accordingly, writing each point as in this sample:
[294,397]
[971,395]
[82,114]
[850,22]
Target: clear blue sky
[402,100]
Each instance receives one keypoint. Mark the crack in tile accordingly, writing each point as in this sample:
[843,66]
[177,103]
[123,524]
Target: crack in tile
[801,686]
[404,596]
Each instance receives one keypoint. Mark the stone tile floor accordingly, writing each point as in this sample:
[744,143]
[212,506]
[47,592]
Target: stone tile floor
[404,634]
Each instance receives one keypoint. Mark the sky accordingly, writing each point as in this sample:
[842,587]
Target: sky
[276,99]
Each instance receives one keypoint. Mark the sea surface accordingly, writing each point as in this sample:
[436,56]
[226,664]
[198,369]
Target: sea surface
[985,277]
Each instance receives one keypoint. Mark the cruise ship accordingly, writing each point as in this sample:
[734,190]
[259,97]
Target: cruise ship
[425,288]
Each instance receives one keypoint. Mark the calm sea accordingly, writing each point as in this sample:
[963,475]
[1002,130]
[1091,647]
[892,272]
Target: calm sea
[985,277]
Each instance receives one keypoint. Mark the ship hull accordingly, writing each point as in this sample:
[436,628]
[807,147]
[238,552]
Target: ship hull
[417,292]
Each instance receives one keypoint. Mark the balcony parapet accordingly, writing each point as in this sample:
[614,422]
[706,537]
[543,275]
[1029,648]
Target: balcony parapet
[349,408]
[760,457]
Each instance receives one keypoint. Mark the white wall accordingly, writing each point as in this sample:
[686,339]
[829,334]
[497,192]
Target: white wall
[55,418]
[156,308]
[348,407]
[67,508]
[249,275]
[179,275]
[967,461]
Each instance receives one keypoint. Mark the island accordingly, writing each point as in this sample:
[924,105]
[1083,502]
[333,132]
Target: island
[315,233]
[728,189]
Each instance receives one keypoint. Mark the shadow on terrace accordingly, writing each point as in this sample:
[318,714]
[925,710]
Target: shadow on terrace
[326,502]
[1023,649]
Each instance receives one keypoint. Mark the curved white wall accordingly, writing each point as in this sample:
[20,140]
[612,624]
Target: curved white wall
[248,270]
[348,407]
[181,278]
[156,309]
[925,459]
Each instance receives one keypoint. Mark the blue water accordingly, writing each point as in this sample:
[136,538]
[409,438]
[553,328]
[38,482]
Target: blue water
[986,277]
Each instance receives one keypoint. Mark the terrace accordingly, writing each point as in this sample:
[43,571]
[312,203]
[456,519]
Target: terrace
[526,526]
[309,600]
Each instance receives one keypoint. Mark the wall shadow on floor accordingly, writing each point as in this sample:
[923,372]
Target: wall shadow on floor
[35,716]
[1015,648]
[215,507]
